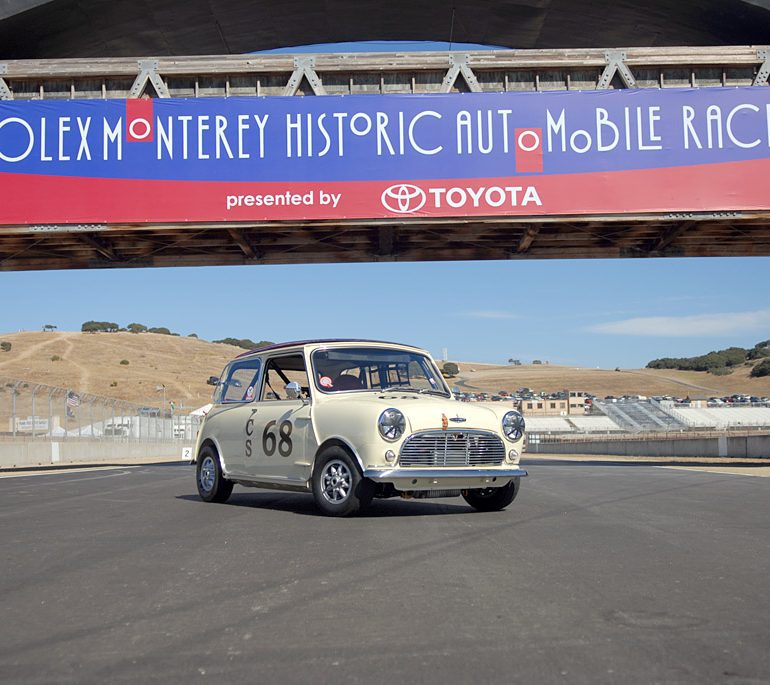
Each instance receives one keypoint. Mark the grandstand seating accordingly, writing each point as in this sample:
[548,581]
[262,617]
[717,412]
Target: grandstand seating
[721,417]
[547,424]
[642,415]
[594,424]
[645,416]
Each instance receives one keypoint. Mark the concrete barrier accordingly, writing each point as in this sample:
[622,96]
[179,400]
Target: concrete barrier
[739,446]
[22,454]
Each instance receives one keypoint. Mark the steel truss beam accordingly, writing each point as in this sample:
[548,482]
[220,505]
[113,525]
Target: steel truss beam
[304,67]
[616,63]
[488,71]
[148,73]
[460,65]
[764,69]
[5,93]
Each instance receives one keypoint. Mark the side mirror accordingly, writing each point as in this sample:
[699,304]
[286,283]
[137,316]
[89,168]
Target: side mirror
[293,390]
[213,380]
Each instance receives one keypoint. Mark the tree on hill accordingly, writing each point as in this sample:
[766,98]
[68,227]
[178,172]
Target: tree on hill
[5,346]
[761,369]
[99,327]
[162,330]
[49,328]
[450,369]
[136,328]
[244,343]
[716,359]
[760,350]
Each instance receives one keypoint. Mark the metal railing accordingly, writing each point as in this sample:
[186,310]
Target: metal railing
[684,434]
[35,411]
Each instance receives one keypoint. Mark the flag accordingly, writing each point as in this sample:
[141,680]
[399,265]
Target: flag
[73,399]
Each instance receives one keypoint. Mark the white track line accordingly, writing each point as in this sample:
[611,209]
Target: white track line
[714,472]
[59,472]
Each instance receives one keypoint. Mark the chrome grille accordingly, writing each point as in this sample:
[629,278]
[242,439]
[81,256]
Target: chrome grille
[452,448]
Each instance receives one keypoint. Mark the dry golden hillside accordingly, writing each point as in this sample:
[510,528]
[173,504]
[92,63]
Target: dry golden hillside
[602,382]
[90,363]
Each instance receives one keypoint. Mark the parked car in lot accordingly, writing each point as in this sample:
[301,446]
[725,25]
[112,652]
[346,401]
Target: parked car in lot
[350,421]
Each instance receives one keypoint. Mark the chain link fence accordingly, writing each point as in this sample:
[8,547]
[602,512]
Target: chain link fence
[34,411]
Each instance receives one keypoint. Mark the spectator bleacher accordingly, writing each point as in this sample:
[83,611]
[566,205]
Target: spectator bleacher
[547,424]
[595,424]
[721,417]
[641,416]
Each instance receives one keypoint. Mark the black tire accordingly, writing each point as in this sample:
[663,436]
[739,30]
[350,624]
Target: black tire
[492,499]
[339,488]
[212,485]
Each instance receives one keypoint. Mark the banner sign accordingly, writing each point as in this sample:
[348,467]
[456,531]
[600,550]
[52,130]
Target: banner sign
[384,156]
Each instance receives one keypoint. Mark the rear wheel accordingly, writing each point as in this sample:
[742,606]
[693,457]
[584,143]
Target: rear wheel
[212,485]
[492,499]
[339,488]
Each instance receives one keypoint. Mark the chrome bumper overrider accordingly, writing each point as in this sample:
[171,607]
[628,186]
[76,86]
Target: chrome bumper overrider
[391,474]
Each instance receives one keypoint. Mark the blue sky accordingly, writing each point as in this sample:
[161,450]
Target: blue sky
[604,313]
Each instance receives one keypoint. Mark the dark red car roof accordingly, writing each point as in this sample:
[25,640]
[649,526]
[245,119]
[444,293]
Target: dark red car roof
[278,346]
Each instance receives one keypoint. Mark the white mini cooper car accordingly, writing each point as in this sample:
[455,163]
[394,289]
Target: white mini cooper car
[351,420]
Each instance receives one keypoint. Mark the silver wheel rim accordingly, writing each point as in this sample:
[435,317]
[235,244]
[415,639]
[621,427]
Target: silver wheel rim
[208,475]
[336,482]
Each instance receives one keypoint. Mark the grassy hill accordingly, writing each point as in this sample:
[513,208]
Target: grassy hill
[90,362]
[602,382]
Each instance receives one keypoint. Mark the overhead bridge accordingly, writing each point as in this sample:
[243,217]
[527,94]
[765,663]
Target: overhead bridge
[142,233]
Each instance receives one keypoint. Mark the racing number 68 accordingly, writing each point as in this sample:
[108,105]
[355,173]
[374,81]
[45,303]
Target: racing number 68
[282,442]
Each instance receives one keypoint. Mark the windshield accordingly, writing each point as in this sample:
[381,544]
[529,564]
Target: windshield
[239,382]
[368,368]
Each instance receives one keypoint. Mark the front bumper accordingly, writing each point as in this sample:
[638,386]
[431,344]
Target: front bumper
[433,479]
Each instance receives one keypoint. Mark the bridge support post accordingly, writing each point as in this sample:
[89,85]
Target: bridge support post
[616,63]
[460,64]
[764,69]
[148,71]
[5,91]
[304,66]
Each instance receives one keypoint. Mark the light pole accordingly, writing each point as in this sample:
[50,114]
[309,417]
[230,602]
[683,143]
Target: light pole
[160,388]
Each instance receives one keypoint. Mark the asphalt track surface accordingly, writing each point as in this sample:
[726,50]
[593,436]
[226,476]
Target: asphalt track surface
[595,574]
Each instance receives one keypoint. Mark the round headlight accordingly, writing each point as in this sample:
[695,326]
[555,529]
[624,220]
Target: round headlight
[513,425]
[392,424]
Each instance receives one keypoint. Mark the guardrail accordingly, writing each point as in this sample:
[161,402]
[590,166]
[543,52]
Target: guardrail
[35,411]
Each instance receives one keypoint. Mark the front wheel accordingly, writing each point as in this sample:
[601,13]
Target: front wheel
[212,485]
[339,488]
[492,499]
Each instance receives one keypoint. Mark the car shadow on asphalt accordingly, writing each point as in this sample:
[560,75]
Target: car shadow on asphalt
[297,503]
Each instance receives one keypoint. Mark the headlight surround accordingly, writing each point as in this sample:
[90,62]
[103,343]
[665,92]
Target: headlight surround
[392,424]
[513,425]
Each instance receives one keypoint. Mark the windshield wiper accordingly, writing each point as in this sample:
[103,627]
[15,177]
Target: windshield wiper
[420,391]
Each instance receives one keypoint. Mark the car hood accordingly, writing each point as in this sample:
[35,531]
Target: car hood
[426,412]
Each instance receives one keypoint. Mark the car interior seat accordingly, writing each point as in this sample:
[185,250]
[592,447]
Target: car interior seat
[347,382]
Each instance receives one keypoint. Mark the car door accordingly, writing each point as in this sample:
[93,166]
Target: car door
[228,422]
[280,428]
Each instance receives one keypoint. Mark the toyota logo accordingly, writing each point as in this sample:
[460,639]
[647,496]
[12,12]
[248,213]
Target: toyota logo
[403,198]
